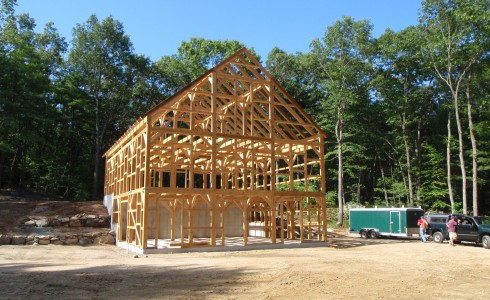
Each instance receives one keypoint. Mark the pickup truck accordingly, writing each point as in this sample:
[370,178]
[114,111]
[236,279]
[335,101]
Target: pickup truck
[469,229]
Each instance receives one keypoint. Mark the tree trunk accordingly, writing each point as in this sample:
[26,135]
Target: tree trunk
[448,159]
[392,180]
[340,178]
[404,179]
[473,149]
[13,167]
[96,170]
[409,166]
[418,155]
[2,155]
[359,187]
[461,154]
[384,187]
[340,182]
[98,148]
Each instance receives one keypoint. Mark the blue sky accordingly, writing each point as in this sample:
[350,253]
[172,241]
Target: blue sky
[157,28]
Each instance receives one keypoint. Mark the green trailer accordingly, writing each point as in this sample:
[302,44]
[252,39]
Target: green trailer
[391,222]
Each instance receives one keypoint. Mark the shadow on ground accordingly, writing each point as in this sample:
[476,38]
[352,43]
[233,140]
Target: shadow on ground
[342,241]
[24,281]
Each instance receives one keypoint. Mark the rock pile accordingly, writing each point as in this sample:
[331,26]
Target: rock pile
[81,229]
[83,239]
[79,220]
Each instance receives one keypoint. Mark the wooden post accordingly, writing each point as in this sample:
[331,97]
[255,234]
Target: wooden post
[245,221]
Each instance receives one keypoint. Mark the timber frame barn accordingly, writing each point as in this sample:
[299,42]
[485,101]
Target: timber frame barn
[229,155]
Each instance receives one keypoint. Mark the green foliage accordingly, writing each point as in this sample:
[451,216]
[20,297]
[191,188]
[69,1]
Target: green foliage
[296,74]
[331,198]
[434,193]
[192,60]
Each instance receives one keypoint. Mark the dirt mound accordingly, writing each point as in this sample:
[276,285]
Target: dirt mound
[18,208]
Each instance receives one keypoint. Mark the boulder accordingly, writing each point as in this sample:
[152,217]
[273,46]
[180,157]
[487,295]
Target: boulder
[106,239]
[83,241]
[30,223]
[19,240]
[94,221]
[44,240]
[71,241]
[42,223]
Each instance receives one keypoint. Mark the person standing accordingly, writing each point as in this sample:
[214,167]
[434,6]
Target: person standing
[422,227]
[451,228]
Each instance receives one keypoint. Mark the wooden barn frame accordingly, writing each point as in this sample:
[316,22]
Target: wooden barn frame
[230,155]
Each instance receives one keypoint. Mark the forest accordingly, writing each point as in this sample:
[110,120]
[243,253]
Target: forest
[407,113]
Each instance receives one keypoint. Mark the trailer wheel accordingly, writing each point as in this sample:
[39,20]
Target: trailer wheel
[363,234]
[486,242]
[438,237]
[373,234]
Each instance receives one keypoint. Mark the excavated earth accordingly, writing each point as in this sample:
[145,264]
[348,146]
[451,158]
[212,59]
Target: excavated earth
[28,218]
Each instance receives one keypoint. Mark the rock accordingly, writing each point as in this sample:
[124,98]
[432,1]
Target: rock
[83,241]
[19,240]
[93,222]
[44,241]
[105,240]
[75,222]
[42,223]
[30,223]
[5,239]
[56,222]
[71,241]
[31,239]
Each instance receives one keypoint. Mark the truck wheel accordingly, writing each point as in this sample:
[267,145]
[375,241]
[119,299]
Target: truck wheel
[364,234]
[438,237]
[486,242]
[373,234]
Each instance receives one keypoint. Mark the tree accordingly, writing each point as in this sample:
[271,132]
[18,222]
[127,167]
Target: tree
[193,59]
[30,62]
[342,57]
[404,88]
[457,39]
[102,57]
[296,74]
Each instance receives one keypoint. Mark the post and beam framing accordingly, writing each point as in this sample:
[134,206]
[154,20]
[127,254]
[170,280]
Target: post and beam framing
[230,155]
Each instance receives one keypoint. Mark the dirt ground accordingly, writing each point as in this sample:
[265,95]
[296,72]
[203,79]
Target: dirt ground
[345,267]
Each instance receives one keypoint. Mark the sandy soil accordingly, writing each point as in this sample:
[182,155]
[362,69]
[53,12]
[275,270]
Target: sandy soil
[345,268]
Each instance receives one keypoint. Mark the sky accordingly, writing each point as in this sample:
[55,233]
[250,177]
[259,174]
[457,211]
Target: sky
[158,27]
